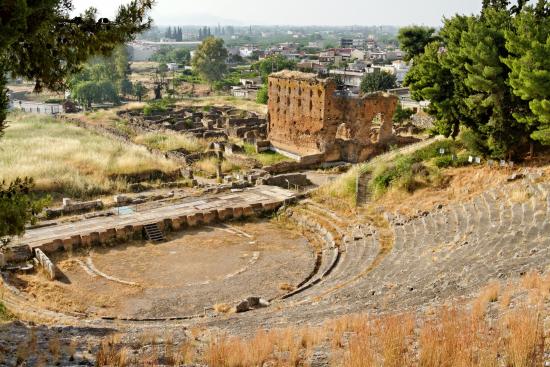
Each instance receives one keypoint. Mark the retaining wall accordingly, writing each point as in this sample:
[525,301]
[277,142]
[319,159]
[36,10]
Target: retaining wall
[113,236]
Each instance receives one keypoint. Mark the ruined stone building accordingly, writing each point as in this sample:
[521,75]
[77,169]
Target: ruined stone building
[310,118]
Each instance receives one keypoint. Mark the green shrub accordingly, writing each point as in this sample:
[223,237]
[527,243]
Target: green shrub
[444,161]
[54,100]
[432,150]
[5,315]
[472,142]
[159,106]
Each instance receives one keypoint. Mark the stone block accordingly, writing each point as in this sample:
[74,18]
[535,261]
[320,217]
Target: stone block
[77,241]
[271,206]
[225,214]
[248,212]
[194,220]
[67,244]
[137,232]
[58,244]
[122,234]
[48,247]
[257,208]
[94,238]
[237,212]
[46,264]
[210,217]
[86,240]
[175,223]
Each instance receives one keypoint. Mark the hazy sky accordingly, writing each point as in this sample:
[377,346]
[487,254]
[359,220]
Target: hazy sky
[296,12]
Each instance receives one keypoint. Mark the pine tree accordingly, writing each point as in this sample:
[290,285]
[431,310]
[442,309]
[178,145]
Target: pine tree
[484,47]
[529,62]
[168,33]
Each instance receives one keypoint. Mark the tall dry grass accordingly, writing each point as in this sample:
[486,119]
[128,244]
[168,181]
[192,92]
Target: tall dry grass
[66,159]
[167,141]
[458,336]
[340,193]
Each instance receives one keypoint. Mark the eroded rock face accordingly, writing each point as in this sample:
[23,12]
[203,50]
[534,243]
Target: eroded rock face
[307,116]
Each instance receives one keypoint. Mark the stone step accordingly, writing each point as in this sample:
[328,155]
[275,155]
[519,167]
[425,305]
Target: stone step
[153,233]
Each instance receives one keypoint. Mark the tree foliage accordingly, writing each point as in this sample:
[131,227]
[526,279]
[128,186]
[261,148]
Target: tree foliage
[263,95]
[413,39]
[209,59]
[181,56]
[529,62]
[378,81]
[402,114]
[17,208]
[273,64]
[489,73]
[139,90]
[102,79]
[40,40]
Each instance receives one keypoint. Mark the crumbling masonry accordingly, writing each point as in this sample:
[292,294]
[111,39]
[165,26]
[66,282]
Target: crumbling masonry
[309,117]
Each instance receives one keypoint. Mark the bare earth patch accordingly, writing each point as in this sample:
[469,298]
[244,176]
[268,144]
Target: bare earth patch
[181,277]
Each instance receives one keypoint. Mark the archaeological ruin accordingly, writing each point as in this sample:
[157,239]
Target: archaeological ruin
[312,119]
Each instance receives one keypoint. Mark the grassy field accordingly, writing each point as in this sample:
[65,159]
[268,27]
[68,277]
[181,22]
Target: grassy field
[68,160]
[167,141]
[267,158]
[224,101]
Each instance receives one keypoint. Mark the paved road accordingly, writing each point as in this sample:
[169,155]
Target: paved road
[255,195]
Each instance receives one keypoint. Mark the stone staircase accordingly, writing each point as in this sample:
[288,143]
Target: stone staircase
[362,188]
[153,233]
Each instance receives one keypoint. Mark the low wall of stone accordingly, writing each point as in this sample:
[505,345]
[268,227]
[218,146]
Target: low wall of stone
[70,207]
[289,180]
[46,264]
[114,236]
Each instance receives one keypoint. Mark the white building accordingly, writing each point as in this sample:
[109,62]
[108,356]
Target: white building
[172,66]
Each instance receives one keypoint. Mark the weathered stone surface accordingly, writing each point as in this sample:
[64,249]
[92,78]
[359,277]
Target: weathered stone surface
[224,214]
[248,211]
[242,306]
[308,116]
[46,264]
[287,181]
[68,244]
[210,216]
[237,212]
[122,234]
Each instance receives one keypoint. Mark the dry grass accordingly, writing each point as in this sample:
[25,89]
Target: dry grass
[524,342]
[70,160]
[520,195]
[286,287]
[167,141]
[54,347]
[208,166]
[225,101]
[184,354]
[223,308]
[339,194]
[458,336]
